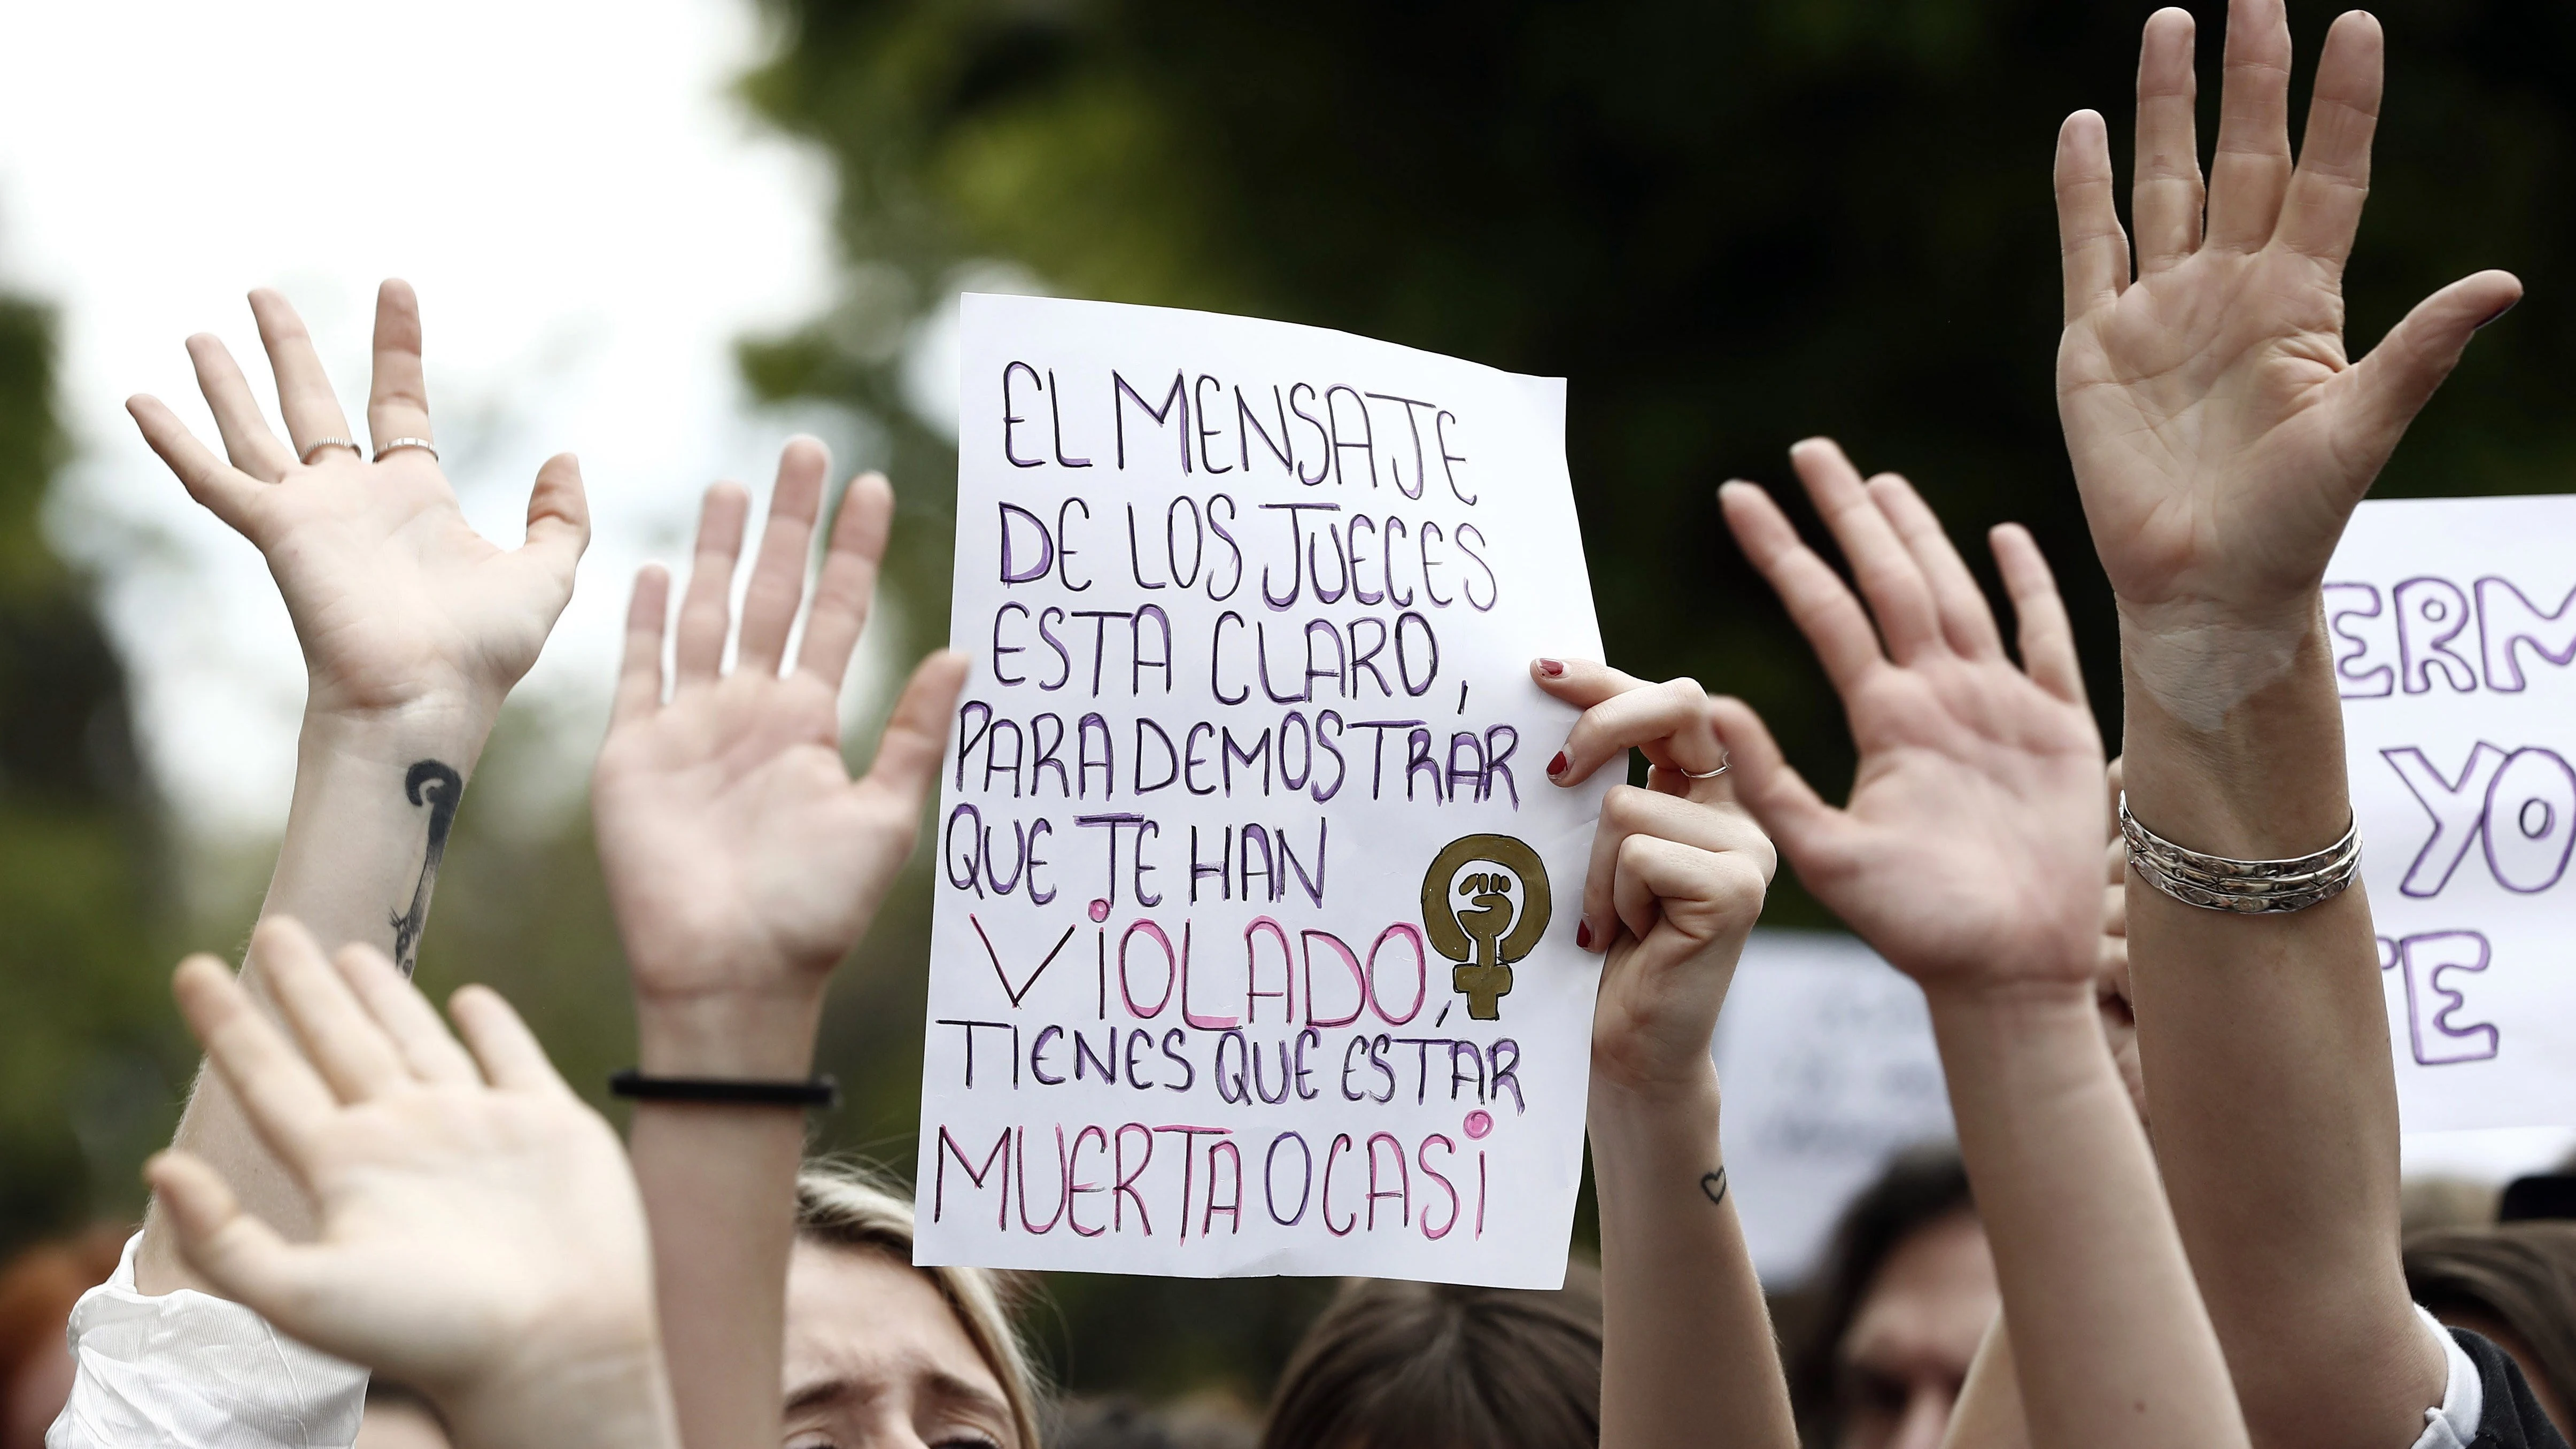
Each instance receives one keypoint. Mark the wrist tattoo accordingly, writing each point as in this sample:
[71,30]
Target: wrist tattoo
[435,785]
[1714,1184]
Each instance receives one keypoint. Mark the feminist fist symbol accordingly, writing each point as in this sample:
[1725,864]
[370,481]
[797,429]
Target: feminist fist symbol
[1485,936]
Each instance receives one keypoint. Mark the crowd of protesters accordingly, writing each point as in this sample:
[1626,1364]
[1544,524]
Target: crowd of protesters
[380,1224]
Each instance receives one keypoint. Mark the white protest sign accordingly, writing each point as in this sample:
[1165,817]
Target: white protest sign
[1826,1056]
[2454,636]
[1254,939]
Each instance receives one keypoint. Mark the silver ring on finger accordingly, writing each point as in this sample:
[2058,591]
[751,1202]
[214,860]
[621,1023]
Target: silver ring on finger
[318,444]
[1723,765]
[424,444]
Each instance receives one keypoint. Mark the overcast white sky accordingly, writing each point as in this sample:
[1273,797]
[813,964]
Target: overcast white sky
[590,219]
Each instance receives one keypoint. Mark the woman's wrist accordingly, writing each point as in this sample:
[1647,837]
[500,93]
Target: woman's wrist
[747,1035]
[2264,778]
[1685,1104]
[617,1393]
[450,729]
[2016,1021]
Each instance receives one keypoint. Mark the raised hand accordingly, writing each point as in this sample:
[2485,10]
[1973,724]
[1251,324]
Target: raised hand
[1677,878]
[397,601]
[1970,856]
[744,863]
[480,1235]
[1969,852]
[2221,434]
[741,856]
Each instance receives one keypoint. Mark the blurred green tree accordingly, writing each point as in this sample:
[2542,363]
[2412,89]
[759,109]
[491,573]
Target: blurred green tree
[1729,225]
[88,1052]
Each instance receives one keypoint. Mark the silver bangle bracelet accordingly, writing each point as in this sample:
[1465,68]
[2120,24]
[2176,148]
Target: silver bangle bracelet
[2245,887]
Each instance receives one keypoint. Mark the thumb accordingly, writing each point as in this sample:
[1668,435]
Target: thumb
[2385,390]
[558,516]
[906,768]
[1781,801]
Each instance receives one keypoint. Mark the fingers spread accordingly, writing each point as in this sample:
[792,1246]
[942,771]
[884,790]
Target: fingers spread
[2166,195]
[848,584]
[398,397]
[2092,251]
[352,1052]
[778,573]
[706,611]
[1966,620]
[426,1048]
[227,493]
[558,520]
[304,395]
[285,1101]
[2377,397]
[639,676]
[2322,212]
[1818,601]
[2047,638]
[1668,720]
[236,1252]
[247,440]
[2252,168]
[1899,598]
[502,1043]
[906,769]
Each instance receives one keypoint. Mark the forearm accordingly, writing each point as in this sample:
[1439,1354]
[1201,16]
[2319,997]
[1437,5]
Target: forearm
[373,802]
[719,1189]
[1687,1353]
[2264,1045]
[1988,1414]
[2114,1348]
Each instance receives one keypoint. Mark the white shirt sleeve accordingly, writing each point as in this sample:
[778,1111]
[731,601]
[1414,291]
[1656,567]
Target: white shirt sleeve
[2453,1423]
[188,1370]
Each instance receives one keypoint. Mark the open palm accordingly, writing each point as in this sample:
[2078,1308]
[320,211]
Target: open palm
[477,1219]
[740,854]
[395,598]
[2220,434]
[1970,852]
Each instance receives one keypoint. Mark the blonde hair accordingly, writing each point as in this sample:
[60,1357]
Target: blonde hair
[843,1205]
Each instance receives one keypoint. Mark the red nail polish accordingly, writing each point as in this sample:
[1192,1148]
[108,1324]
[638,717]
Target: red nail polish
[1552,668]
[1556,766]
[1583,936]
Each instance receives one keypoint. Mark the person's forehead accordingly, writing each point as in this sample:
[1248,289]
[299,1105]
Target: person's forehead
[1934,1293]
[857,1313]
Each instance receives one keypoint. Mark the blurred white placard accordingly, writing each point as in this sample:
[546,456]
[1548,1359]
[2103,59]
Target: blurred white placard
[2454,628]
[1254,938]
[1826,1061]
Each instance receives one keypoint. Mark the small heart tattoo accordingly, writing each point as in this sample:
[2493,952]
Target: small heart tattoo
[1714,1184]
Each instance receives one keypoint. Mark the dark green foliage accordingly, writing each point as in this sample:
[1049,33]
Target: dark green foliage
[88,1059]
[1729,224]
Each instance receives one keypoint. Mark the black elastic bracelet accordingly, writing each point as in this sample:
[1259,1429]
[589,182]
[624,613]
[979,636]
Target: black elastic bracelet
[820,1091]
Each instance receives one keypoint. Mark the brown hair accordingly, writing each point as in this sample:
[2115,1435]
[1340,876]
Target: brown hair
[37,1291]
[1439,1366]
[1923,1185]
[842,1205]
[2523,1274]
